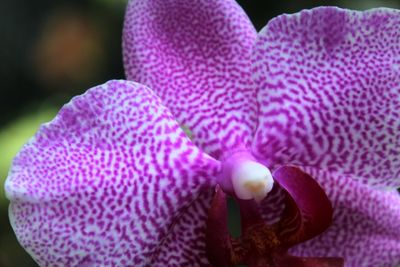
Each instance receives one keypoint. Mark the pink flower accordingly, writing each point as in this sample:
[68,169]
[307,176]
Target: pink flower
[114,181]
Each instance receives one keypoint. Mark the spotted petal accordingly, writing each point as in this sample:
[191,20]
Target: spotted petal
[185,245]
[107,181]
[366,224]
[196,56]
[329,95]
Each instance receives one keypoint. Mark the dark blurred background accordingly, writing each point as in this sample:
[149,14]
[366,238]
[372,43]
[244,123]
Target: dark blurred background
[52,50]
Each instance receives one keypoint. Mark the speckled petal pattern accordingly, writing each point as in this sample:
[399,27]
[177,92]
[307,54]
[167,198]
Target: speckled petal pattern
[366,224]
[107,180]
[185,245]
[329,95]
[196,56]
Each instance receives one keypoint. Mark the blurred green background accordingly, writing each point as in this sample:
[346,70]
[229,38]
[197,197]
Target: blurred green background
[53,50]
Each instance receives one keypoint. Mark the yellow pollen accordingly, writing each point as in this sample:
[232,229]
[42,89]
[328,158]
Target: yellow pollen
[251,180]
[255,186]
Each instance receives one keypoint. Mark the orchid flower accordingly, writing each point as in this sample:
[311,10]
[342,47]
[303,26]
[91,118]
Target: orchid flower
[299,124]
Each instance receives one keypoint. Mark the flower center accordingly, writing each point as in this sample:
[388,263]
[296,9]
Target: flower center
[244,176]
[259,244]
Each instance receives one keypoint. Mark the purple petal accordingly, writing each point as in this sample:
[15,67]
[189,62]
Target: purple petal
[185,244]
[106,181]
[308,211]
[273,205]
[366,224]
[196,56]
[310,262]
[329,94]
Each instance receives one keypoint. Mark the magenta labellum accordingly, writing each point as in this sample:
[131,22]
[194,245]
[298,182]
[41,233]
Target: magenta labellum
[308,212]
